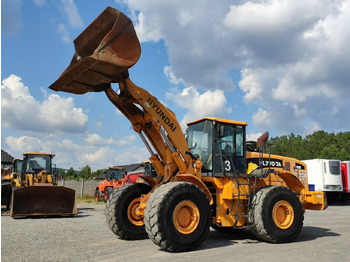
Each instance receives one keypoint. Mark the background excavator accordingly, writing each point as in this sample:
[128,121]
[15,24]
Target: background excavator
[117,177]
[207,178]
[33,190]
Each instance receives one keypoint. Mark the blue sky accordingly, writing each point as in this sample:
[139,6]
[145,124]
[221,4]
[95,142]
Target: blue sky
[281,66]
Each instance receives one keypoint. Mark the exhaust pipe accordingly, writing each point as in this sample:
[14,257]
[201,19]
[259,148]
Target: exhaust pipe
[106,49]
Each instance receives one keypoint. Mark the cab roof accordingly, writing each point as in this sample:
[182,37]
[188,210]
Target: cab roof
[37,153]
[114,167]
[225,121]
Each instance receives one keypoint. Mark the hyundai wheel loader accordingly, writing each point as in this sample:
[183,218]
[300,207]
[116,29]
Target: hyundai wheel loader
[207,178]
[34,191]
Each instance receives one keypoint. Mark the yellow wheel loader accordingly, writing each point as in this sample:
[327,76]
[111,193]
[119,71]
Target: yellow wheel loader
[34,191]
[211,177]
[10,181]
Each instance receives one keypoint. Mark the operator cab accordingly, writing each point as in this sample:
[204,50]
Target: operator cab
[17,165]
[33,163]
[115,173]
[220,144]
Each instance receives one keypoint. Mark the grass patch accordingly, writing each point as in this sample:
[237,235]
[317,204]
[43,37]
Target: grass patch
[88,199]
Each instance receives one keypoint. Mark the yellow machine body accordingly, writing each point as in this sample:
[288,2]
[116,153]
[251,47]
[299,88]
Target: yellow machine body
[36,192]
[226,175]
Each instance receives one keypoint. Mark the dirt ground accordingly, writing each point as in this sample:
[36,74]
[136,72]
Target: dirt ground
[86,237]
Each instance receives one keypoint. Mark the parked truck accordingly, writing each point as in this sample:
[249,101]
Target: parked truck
[204,179]
[325,175]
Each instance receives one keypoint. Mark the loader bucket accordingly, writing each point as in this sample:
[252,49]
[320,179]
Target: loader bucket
[43,200]
[103,51]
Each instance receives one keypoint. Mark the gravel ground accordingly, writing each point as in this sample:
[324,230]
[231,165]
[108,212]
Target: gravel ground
[86,237]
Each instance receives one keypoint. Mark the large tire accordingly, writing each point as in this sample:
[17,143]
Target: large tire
[108,192]
[276,214]
[177,216]
[97,195]
[120,215]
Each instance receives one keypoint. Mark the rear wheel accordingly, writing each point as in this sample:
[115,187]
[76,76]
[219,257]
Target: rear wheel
[276,214]
[121,215]
[97,195]
[177,216]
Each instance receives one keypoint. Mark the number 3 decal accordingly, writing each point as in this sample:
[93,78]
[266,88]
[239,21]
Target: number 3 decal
[227,165]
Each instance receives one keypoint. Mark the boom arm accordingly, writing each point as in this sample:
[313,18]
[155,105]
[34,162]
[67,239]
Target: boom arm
[154,123]
[104,52]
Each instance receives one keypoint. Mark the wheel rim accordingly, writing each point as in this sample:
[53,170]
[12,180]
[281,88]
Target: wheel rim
[133,216]
[283,214]
[186,217]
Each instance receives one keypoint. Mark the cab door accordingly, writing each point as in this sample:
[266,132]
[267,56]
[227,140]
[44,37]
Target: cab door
[229,150]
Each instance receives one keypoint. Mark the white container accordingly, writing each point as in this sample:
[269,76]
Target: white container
[324,175]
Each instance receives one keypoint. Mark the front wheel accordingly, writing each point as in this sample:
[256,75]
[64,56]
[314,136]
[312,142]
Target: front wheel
[121,215]
[97,195]
[276,214]
[108,192]
[177,216]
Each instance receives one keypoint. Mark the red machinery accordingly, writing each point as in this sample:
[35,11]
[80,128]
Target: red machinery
[115,177]
[345,171]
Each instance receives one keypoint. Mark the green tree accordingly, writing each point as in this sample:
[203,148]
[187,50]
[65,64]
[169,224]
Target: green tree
[72,174]
[343,155]
[85,172]
[329,152]
[320,144]
[97,172]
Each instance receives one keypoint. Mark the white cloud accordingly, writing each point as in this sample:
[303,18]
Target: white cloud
[96,140]
[196,46]
[39,2]
[19,145]
[253,136]
[99,155]
[20,111]
[207,104]
[72,14]
[11,23]
[99,125]
[96,152]
[132,155]
[262,118]
[69,17]
[293,56]
[63,32]
[171,75]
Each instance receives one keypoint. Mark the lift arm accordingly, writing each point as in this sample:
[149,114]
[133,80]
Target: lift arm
[104,52]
